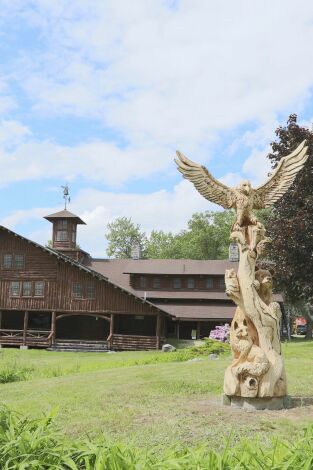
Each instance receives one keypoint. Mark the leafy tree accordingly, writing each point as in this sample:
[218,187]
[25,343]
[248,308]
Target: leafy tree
[207,237]
[290,224]
[161,245]
[122,235]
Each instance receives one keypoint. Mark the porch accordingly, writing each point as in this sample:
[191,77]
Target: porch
[96,331]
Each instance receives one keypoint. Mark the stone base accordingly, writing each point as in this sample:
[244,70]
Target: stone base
[23,347]
[254,404]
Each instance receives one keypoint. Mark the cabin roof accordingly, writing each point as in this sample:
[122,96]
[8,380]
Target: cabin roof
[65,214]
[216,312]
[179,266]
[82,267]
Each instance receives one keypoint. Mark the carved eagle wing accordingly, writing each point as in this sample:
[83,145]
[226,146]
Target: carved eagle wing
[282,178]
[205,183]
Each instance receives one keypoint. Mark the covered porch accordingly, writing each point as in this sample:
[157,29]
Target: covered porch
[106,330]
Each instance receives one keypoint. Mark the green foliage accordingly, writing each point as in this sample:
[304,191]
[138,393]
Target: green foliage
[123,235]
[35,444]
[207,237]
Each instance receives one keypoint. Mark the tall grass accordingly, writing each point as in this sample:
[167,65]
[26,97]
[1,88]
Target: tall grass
[35,444]
[15,366]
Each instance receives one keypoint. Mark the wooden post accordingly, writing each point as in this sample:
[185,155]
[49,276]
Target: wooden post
[25,327]
[0,325]
[158,329]
[177,329]
[198,329]
[111,331]
[53,327]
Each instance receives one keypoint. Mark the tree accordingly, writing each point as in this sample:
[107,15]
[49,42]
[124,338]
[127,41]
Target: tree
[161,245]
[290,224]
[122,236]
[207,237]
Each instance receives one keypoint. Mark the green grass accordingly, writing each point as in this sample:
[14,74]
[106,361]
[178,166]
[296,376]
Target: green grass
[149,399]
[36,444]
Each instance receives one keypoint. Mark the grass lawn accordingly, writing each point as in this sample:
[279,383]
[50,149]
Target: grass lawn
[139,398]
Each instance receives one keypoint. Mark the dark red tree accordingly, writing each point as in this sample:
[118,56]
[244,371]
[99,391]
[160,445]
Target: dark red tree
[291,223]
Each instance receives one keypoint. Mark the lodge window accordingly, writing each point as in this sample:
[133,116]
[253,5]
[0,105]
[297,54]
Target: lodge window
[77,290]
[221,283]
[15,289]
[209,283]
[74,235]
[90,291]
[143,282]
[177,283]
[84,291]
[156,283]
[39,289]
[10,261]
[27,289]
[191,282]
[19,261]
[7,261]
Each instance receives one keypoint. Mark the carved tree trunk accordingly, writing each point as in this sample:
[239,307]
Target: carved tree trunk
[258,368]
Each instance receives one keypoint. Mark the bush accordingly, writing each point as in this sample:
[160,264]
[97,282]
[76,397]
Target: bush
[35,444]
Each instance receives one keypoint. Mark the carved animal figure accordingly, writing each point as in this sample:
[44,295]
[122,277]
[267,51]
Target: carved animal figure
[264,284]
[249,364]
[244,198]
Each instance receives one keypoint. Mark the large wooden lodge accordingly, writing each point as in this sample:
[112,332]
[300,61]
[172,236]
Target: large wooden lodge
[60,297]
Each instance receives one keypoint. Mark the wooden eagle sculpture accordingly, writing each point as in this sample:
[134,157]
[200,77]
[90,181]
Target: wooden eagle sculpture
[244,198]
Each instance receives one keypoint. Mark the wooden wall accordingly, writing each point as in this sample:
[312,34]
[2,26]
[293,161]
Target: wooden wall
[59,277]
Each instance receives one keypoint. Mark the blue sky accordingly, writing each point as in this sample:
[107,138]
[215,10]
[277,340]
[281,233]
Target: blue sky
[99,94]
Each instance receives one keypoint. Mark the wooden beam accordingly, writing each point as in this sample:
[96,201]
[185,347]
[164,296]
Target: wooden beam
[25,327]
[198,330]
[81,314]
[53,327]
[0,319]
[158,329]
[112,324]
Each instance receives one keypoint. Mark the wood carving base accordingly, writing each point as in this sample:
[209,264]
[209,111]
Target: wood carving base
[255,404]
[257,369]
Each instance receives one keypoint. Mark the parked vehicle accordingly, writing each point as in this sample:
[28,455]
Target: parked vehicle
[301,330]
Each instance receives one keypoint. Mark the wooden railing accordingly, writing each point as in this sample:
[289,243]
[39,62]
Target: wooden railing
[40,338]
[133,342]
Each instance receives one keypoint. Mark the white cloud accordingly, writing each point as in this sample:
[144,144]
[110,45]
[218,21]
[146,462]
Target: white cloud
[161,210]
[160,77]
[170,75]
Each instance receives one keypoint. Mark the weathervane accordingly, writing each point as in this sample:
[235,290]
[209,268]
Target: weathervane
[66,195]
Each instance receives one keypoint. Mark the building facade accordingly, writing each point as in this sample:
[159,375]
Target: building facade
[50,296]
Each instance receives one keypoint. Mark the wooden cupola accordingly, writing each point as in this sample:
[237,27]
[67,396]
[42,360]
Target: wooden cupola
[64,233]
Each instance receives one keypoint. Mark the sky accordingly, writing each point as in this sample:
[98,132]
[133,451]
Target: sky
[99,94]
